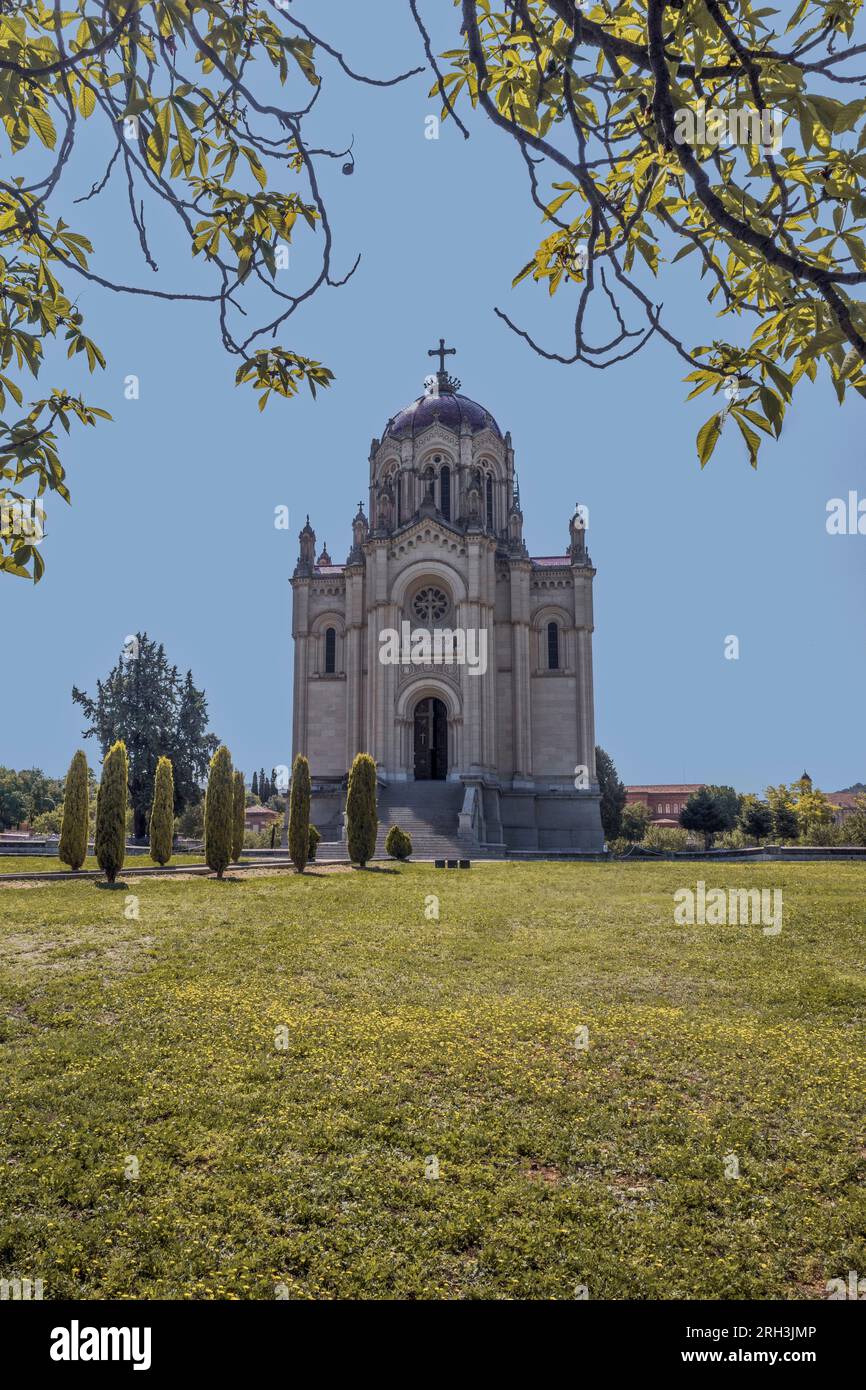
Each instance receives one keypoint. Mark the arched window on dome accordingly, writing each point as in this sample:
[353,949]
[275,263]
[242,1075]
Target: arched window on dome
[330,651]
[445,491]
[489,503]
[553,646]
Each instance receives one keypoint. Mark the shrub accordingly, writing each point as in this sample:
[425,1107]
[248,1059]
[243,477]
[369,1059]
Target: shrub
[72,849]
[853,828]
[669,839]
[162,813]
[218,812]
[315,837]
[111,807]
[634,820]
[48,822]
[620,846]
[826,834]
[398,844]
[731,839]
[190,822]
[258,839]
[238,808]
[299,814]
[361,821]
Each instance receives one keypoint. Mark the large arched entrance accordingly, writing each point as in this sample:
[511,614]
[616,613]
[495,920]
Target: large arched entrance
[431,740]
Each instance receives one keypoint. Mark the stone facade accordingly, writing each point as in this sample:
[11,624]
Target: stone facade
[505,705]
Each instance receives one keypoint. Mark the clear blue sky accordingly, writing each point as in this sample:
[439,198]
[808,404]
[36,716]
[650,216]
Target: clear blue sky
[171,526]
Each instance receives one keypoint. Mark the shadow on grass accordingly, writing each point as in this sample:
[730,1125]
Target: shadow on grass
[117,885]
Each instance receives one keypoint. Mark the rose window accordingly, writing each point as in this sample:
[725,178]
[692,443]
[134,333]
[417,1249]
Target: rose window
[429,605]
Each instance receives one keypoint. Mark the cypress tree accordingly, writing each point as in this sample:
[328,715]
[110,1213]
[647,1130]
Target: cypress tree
[111,801]
[162,813]
[239,808]
[255,786]
[361,821]
[72,849]
[299,814]
[218,810]
[612,794]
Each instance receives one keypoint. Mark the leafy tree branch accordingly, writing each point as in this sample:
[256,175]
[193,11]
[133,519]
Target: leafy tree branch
[204,103]
[608,105]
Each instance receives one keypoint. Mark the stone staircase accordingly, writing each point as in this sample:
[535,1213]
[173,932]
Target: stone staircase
[428,811]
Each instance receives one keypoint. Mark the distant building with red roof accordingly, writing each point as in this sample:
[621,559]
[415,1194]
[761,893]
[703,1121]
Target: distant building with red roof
[665,800]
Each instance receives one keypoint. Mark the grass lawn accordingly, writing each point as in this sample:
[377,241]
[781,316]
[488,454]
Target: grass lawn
[273,1163]
[49,863]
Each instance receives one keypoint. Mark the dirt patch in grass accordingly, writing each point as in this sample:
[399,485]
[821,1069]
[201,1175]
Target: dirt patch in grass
[320,871]
[545,1173]
[27,948]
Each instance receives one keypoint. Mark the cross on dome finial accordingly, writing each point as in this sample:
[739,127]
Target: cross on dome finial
[442,384]
[441,352]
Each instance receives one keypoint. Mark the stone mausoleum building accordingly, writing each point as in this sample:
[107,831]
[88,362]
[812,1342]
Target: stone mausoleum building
[441,647]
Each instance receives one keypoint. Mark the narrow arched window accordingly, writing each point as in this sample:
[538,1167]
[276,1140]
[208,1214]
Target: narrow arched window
[398,495]
[330,651]
[552,647]
[445,492]
[490,504]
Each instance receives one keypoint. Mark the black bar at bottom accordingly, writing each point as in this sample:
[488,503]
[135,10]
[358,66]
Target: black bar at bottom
[60,1339]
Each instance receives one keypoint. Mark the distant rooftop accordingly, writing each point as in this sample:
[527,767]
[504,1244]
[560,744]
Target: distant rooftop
[666,788]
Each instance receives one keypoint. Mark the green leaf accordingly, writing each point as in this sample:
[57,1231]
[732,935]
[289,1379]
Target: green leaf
[753,440]
[708,438]
[86,99]
[42,123]
[185,142]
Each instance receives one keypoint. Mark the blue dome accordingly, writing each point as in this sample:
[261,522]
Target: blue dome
[448,409]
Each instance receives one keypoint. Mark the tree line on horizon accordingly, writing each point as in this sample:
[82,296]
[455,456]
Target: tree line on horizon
[161,719]
[799,811]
